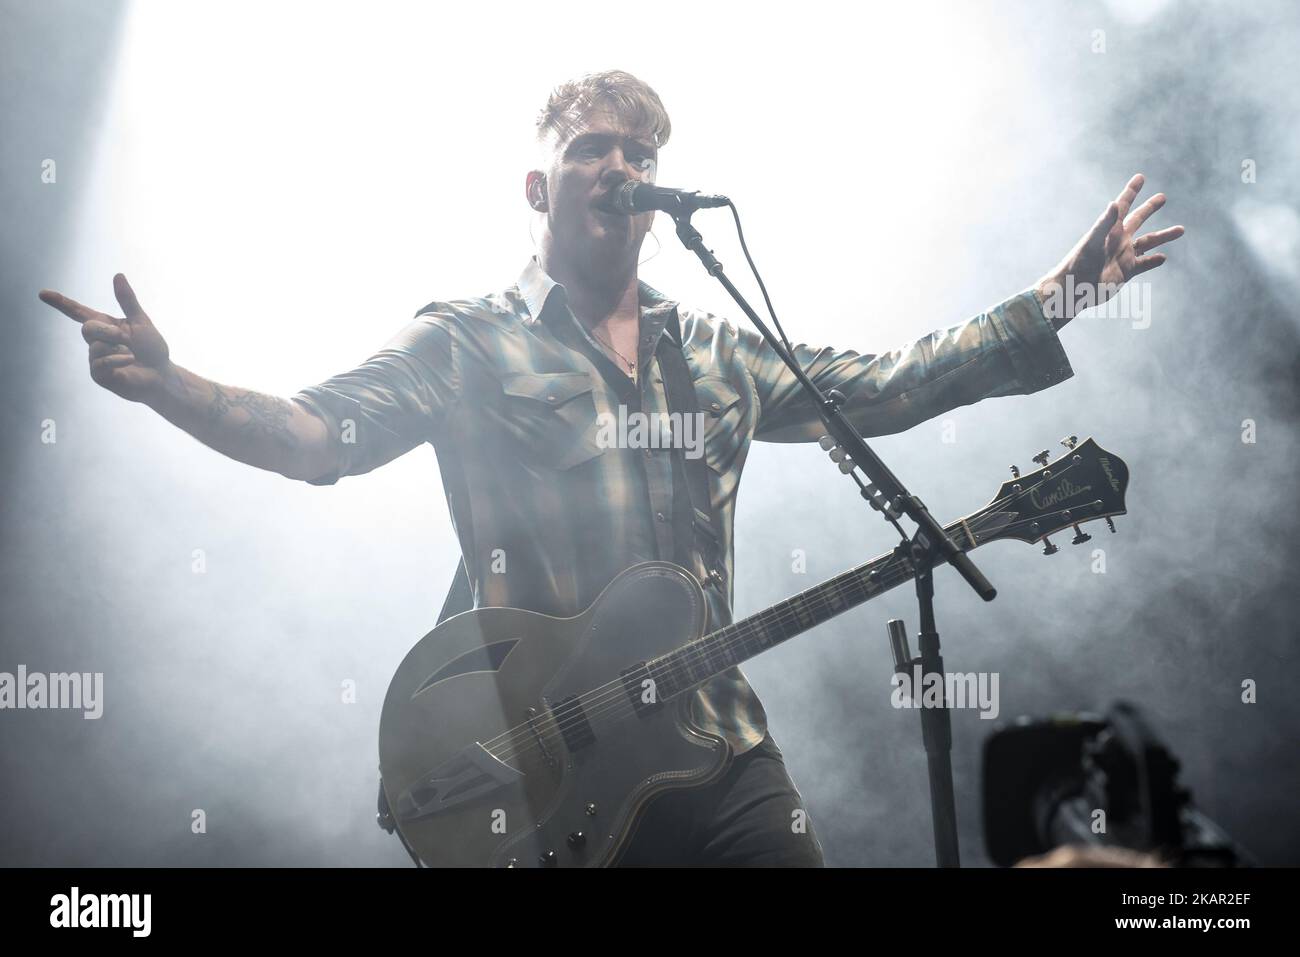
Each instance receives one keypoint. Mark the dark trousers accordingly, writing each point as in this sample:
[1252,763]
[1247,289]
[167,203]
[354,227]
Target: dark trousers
[753,816]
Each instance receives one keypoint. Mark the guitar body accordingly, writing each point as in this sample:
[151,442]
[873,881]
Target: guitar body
[484,765]
[514,739]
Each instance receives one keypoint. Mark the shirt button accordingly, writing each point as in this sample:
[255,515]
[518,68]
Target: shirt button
[659,516]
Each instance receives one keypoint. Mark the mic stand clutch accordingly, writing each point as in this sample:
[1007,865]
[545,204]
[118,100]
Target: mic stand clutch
[929,546]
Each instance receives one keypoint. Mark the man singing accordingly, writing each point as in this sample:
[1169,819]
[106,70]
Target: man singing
[509,389]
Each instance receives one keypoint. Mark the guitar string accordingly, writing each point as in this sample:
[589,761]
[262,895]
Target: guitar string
[889,575]
[616,704]
[599,704]
[621,706]
[611,699]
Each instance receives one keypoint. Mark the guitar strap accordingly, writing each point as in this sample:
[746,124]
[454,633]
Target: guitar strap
[696,524]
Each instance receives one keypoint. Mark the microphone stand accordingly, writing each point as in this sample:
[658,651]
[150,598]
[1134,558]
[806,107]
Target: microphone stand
[928,547]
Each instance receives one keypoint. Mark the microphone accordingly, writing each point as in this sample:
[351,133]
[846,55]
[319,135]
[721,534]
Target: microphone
[632,197]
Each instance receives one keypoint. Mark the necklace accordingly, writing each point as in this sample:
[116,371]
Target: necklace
[631,365]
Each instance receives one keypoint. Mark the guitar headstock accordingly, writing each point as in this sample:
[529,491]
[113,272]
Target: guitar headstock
[1084,484]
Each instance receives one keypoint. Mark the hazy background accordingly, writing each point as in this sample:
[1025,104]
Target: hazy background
[284,184]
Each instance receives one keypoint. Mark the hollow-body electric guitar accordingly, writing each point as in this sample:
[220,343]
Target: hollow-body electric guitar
[514,739]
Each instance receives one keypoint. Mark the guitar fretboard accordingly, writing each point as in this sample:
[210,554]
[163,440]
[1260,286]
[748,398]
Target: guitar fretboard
[702,659]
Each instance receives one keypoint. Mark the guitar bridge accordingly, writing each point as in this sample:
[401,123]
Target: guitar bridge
[537,735]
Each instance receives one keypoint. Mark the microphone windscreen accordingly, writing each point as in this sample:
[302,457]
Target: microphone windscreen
[624,198]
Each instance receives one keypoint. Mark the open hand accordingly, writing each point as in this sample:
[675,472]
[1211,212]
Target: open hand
[1109,255]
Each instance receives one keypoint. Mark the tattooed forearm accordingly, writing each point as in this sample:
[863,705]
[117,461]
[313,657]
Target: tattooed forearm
[267,415]
[261,430]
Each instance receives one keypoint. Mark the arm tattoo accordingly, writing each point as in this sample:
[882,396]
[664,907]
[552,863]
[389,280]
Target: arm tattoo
[268,416]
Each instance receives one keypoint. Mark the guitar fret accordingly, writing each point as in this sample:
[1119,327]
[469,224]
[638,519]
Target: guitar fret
[696,667]
[688,657]
[664,674]
[801,613]
[778,624]
[740,644]
[715,654]
[835,599]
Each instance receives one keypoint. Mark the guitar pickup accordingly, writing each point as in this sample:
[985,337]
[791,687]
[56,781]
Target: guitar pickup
[571,718]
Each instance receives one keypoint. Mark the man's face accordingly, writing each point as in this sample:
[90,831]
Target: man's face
[598,155]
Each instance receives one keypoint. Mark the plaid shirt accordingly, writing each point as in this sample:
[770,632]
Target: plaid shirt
[508,389]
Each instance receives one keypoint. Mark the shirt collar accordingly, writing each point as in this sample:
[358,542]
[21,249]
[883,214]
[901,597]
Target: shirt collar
[546,298]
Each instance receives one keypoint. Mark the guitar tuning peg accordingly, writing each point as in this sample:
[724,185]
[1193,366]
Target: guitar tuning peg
[1080,536]
[1110,523]
[838,454]
[1042,457]
[847,466]
[1070,441]
[1015,472]
[1048,547]
[826,442]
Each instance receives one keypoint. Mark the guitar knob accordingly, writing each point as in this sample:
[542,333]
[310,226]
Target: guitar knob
[1042,457]
[1048,547]
[1015,472]
[513,862]
[547,859]
[1080,536]
[1110,524]
[1070,441]
[576,840]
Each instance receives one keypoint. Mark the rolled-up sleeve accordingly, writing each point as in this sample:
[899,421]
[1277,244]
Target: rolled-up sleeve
[392,402]
[1011,349]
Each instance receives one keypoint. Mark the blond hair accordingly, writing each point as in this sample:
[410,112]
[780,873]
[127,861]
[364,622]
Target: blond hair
[627,96]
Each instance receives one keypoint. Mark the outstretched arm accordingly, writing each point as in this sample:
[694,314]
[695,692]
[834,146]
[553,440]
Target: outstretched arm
[130,358]
[1011,349]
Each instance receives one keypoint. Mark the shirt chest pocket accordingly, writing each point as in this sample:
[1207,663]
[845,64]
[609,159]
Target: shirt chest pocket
[551,418]
[723,410]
